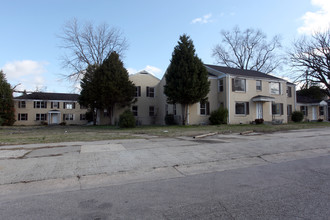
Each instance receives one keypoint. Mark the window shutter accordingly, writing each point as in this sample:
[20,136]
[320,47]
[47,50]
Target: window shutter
[233,84]
[74,105]
[45,104]
[63,117]
[19,104]
[63,105]
[306,110]
[26,116]
[281,105]
[147,91]
[19,117]
[34,104]
[247,108]
[207,108]
[139,91]
[51,105]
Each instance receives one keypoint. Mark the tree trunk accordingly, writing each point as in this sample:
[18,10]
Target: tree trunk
[184,113]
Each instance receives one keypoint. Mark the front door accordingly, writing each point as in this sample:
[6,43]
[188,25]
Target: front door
[314,113]
[55,118]
[259,110]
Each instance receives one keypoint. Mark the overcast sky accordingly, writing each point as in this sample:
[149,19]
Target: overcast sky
[30,53]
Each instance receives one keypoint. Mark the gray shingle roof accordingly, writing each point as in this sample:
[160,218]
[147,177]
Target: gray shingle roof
[241,72]
[49,96]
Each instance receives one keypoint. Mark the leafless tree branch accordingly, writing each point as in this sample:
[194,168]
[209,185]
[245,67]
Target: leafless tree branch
[248,50]
[88,44]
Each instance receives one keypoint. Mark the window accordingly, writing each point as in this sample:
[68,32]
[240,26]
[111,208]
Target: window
[321,110]
[55,105]
[82,117]
[289,91]
[204,108]
[150,92]
[275,88]
[105,113]
[277,108]
[40,104]
[69,105]
[174,109]
[151,111]
[41,117]
[135,110]
[289,108]
[258,85]
[242,108]
[220,85]
[22,117]
[68,117]
[239,85]
[21,104]
[304,110]
[137,91]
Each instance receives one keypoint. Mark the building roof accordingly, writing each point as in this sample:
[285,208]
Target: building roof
[49,96]
[307,100]
[241,72]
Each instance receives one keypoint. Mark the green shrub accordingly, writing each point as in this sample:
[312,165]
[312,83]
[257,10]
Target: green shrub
[297,116]
[259,121]
[169,119]
[219,116]
[127,120]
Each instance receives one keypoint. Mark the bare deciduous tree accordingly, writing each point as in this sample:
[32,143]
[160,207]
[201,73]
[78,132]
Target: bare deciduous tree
[89,45]
[248,50]
[311,57]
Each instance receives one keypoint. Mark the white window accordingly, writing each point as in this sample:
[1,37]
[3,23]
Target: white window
[68,117]
[304,110]
[277,108]
[151,111]
[137,91]
[275,88]
[41,117]
[135,110]
[150,92]
[239,85]
[40,104]
[205,108]
[21,104]
[220,85]
[259,85]
[22,117]
[242,108]
[55,105]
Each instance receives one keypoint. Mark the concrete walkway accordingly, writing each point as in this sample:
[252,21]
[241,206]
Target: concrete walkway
[43,168]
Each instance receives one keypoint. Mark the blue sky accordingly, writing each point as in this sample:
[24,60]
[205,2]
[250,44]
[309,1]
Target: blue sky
[30,53]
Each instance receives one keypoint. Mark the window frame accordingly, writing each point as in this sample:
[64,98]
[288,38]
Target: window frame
[259,87]
[204,108]
[150,92]
[271,88]
[235,83]
[21,104]
[289,91]
[304,110]
[321,110]
[68,117]
[40,104]
[135,110]
[41,117]
[137,91]
[277,108]
[25,118]
[246,108]
[151,111]
[220,85]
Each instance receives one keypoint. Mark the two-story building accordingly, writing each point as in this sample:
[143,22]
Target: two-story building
[48,108]
[247,94]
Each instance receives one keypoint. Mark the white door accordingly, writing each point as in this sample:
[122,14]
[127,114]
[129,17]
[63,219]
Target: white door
[314,113]
[259,110]
[55,118]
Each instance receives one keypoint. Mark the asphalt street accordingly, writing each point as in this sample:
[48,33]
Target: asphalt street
[284,175]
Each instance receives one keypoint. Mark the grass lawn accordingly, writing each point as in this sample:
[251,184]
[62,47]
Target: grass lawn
[53,134]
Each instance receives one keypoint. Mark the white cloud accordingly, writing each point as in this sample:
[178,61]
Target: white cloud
[203,20]
[131,70]
[28,73]
[316,21]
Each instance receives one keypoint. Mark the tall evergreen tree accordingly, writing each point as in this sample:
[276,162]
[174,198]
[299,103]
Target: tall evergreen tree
[186,77]
[89,91]
[7,111]
[114,87]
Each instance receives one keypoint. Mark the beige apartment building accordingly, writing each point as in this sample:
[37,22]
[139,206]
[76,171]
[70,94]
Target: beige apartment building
[248,95]
[49,108]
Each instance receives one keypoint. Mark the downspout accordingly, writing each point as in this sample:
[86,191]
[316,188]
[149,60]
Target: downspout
[228,98]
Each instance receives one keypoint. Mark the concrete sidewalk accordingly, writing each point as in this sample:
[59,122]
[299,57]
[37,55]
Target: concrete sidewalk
[40,168]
